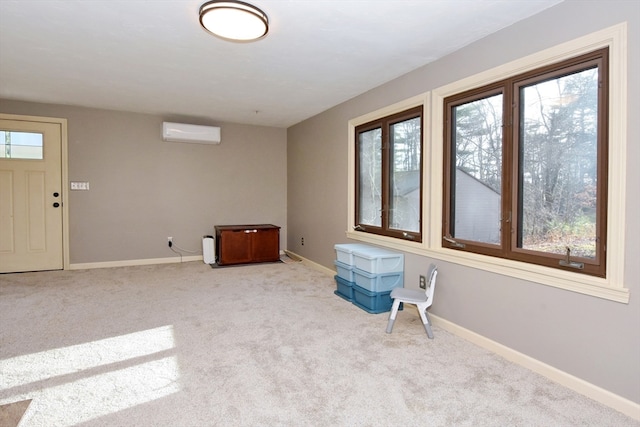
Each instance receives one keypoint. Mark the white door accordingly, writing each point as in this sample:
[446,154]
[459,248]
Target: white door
[31,215]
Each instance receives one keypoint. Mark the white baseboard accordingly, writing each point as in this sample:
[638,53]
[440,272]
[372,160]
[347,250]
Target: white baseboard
[627,407]
[134,262]
[605,397]
[310,263]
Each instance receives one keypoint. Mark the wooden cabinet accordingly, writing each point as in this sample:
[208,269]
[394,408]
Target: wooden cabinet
[243,244]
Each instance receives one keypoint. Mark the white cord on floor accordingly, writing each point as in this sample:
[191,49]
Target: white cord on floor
[178,250]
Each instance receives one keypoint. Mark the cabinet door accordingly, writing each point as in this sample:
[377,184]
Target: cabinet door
[266,245]
[235,247]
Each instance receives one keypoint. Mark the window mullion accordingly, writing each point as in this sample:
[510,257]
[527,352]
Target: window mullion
[386,172]
[510,171]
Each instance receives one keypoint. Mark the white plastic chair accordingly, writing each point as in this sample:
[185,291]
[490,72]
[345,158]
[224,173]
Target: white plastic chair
[421,299]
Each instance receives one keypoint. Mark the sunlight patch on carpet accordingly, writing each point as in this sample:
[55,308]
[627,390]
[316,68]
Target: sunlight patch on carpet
[78,383]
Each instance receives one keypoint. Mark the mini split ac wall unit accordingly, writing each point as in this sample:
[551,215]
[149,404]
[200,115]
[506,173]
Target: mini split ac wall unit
[195,134]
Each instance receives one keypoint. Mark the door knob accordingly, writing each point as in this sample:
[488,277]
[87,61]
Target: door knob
[56,194]
[56,205]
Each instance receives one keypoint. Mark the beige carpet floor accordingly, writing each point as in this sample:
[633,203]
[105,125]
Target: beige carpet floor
[262,345]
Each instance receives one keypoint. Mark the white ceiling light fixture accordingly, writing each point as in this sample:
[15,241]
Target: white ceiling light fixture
[234,20]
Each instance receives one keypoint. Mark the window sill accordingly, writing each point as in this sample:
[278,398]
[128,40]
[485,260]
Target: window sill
[574,282]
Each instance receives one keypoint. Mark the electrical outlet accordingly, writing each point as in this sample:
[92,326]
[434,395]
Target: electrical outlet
[423,282]
[302,241]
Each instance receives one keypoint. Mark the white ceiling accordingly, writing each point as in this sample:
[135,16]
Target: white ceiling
[153,56]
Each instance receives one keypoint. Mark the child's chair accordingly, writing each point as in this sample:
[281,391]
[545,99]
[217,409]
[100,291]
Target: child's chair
[421,299]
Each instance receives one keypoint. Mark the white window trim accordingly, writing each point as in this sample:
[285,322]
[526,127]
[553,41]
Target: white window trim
[612,287]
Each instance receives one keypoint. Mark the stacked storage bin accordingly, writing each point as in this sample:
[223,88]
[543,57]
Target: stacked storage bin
[366,275]
[376,271]
[345,278]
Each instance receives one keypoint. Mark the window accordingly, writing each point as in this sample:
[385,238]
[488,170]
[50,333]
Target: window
[388,176]
[525,166]
[21,145]
[508,192]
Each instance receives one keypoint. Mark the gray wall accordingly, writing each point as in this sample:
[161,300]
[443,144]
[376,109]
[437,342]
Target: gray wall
[591,338]
[144,189]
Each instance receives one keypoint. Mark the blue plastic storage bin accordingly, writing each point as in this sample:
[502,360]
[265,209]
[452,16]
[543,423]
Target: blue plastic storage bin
[344,251]
[377,260]
[378,282]
[345,288]
[372,302]
[345,271]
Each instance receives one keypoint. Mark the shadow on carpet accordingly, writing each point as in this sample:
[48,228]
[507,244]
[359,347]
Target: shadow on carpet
[215,265]
[11,413]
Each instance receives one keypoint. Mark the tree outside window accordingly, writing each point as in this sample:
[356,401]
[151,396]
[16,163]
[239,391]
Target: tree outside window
[525,167]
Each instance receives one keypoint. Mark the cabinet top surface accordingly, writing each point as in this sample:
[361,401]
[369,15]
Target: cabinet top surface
[246,226]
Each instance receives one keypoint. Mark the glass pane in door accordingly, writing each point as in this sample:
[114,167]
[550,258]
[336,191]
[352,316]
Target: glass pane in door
[21,145]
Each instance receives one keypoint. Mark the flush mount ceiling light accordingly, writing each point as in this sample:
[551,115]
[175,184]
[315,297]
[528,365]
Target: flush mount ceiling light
[234,20]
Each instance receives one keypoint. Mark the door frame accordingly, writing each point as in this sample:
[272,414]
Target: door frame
[64,167]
